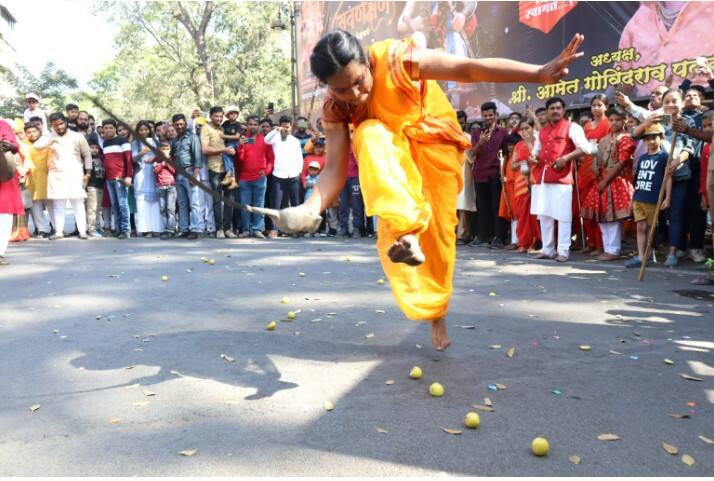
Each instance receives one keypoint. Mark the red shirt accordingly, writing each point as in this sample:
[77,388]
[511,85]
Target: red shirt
[164,174]
[320,159]
[254,160]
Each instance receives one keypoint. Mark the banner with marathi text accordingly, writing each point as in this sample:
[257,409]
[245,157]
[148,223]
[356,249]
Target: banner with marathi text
[630,46]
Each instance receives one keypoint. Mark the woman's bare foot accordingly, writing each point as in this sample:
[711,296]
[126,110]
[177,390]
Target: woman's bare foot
[406,250]
[439,337]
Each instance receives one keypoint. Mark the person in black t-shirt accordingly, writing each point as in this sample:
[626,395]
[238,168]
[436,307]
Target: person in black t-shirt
[72,111]
[649,176]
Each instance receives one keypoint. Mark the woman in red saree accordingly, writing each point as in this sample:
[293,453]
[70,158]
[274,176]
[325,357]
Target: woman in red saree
[594,131]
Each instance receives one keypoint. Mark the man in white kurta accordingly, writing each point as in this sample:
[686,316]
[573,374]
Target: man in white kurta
[556,146]
[68,161]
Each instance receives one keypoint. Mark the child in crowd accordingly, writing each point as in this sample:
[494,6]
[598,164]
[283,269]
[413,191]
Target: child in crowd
[309,183]
[313,173]
[166,183]
[648,181]
[232,130]
[609,200]
[317,155]
[94,181]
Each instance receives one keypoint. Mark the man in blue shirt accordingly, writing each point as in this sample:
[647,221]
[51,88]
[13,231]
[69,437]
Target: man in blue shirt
[186,151]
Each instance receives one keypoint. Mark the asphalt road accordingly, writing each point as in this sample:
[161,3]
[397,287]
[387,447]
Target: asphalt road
[129,370]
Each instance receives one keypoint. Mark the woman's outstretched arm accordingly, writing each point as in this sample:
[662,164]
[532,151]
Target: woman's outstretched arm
[436,65]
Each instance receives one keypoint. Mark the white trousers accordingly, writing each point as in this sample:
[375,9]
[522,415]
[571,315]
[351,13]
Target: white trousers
[547,226]
[41,220]
[514,234]
[5,232]
[611,237]
[58,215]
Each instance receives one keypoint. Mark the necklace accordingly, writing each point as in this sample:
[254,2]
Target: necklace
[668,16]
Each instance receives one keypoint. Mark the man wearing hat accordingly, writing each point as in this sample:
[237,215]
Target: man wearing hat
[302,134]
[32,100]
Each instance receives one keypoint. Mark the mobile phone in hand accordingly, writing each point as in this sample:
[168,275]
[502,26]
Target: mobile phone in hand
[271,107]
[667,120]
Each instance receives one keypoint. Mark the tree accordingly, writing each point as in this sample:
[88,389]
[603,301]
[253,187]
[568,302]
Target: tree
[176,56]
[53,85]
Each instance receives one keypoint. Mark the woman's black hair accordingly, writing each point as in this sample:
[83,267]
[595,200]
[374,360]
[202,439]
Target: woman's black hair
[142,123]
[602,98]
[616,110]
[333,52]
[526,120]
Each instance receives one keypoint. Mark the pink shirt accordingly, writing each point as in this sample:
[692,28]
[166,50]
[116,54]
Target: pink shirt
[689,37]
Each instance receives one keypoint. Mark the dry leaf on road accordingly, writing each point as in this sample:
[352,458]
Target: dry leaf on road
[678,416]
[452,431]
[688,460]
[574,459]
[149,393]
[670,449]
[382,431]
[389,382]
[34,407]
[608,437]
[115,421]
[501,387]
[482,407]
[487,401]
[188,452]
[706,439]
[468,327]
[511,352]
[690,378]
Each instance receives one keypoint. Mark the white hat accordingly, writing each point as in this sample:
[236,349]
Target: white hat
[32,96]
[314,164]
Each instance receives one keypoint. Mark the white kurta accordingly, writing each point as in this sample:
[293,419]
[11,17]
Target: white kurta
[553,200]
[69,157]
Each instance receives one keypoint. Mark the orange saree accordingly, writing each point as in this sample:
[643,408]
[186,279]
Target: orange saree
[410,151]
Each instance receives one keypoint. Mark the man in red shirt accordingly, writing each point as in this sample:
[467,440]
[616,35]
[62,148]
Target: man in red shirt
[254,164]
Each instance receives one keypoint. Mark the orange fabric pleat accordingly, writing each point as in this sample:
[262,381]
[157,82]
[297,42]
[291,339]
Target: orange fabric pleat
[410,152]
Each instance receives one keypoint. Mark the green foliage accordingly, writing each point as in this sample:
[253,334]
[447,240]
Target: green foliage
[158,69]
[53,85]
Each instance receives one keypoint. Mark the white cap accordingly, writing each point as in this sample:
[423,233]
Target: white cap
[32,96]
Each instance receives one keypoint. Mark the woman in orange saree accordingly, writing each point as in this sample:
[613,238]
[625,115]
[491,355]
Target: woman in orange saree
[410,150]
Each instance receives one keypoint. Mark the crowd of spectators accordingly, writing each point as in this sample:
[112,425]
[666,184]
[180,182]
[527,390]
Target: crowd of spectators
[543,182]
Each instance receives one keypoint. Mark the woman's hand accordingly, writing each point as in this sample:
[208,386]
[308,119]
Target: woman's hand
[557,68]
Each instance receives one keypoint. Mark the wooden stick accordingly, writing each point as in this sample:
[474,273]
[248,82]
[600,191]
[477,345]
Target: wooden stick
[574,166]
[660,198]
[504,166]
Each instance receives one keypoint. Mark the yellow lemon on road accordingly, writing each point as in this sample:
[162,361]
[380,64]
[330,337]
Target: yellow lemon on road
[380,282]
[285,300]
[165,278]
[436,390]
[271,326]
[211,262]
[472,420]
[415,373]
[292,315]
[540,446]
[302,274]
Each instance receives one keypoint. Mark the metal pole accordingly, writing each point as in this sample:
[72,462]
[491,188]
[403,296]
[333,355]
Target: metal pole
[293,61]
